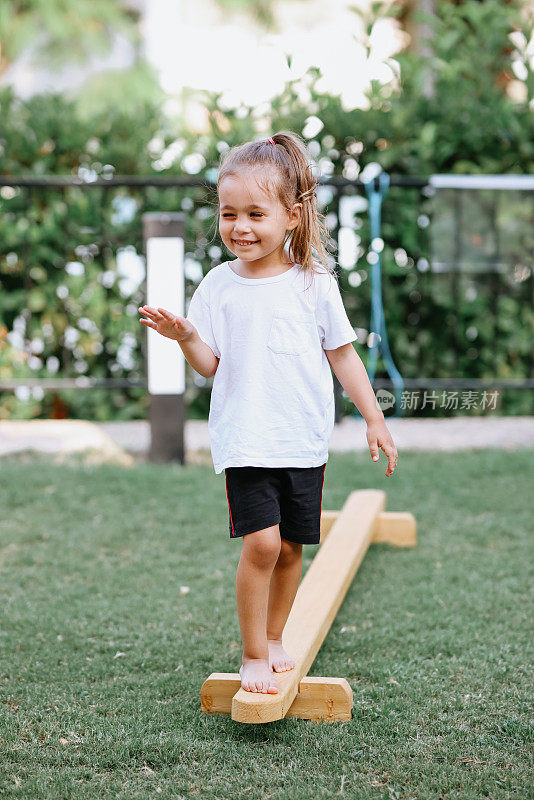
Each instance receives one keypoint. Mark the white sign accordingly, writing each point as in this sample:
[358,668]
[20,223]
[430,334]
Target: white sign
[165,289]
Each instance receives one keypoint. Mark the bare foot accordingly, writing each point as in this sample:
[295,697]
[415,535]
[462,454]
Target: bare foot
[256,676]
[279,660]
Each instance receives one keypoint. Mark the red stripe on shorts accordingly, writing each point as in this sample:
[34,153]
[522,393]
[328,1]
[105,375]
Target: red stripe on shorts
[231,518]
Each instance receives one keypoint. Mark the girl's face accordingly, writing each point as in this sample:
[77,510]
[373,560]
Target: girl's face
[248,215]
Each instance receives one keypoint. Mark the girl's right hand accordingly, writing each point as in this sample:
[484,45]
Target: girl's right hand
[166,323]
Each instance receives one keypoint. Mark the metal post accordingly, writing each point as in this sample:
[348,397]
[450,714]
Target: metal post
[163,235]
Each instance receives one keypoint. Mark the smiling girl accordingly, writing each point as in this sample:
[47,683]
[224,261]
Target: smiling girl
[270,326]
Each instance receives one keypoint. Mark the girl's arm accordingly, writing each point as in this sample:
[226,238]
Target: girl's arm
[352,375]
[199,355]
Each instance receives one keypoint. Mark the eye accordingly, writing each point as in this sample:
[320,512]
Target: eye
[252,213]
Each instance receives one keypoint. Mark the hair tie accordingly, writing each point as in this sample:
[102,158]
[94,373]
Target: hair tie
[309,194]
[271,140]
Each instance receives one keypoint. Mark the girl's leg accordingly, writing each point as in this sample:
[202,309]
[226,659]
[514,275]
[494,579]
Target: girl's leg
[259,554]
[285,581]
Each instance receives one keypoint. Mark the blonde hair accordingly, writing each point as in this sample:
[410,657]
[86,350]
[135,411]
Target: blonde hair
[286,175]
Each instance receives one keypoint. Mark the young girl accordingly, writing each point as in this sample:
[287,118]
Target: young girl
[269,326]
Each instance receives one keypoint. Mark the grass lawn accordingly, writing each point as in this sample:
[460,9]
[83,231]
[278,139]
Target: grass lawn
[117,589]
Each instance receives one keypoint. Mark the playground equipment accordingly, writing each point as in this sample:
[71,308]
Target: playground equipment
[376,184]
[345,537]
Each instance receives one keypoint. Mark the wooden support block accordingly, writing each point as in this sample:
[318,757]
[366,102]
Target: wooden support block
[316,604]
[393,527]
[327,520]
[396,527]
[326,699]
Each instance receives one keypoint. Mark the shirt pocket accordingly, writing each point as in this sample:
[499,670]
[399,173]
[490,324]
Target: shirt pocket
[291,332]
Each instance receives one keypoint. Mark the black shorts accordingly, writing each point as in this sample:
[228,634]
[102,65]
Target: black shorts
[260,497]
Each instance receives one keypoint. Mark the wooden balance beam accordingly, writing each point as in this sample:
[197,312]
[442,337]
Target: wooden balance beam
[345,537]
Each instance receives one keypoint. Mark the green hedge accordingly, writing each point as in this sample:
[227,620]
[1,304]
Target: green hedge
[78,319]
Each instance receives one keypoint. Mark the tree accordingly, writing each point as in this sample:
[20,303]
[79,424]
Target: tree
[61,31]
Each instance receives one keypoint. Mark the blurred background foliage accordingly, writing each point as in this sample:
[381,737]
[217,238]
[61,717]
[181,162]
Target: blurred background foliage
[68,310]
[62,32]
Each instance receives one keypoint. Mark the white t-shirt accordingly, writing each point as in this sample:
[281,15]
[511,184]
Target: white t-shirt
[272,400]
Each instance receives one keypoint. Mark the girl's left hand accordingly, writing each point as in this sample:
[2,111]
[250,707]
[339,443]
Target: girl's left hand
[379,436]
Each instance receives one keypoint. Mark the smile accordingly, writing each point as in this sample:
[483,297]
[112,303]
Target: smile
[244,243]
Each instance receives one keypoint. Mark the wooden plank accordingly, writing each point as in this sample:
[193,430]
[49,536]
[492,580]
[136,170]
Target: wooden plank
[392,527]
[326,699]
[316,604]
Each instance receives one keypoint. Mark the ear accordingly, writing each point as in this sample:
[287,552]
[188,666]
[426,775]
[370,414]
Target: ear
[294,216]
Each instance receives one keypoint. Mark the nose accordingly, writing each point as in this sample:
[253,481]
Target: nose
[241,228]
